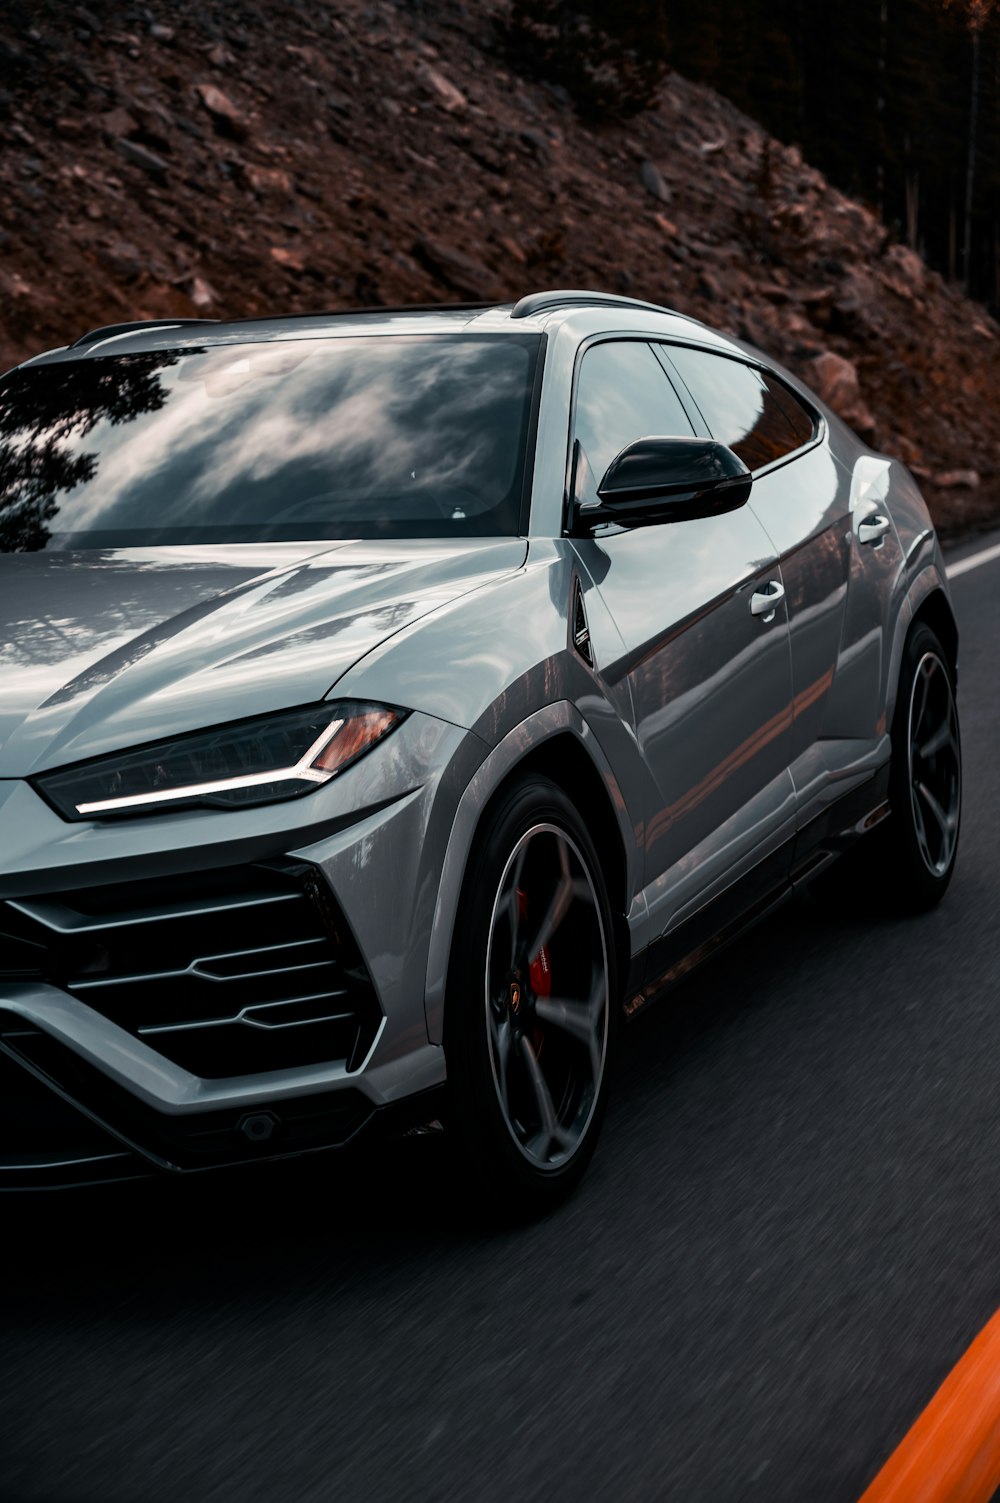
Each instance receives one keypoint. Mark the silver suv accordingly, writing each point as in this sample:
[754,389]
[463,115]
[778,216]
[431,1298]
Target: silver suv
[392,702]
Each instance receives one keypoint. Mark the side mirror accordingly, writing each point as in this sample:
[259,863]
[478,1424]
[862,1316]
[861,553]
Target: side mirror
[668,480]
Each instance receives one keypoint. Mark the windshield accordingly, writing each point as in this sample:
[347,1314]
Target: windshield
[375,436]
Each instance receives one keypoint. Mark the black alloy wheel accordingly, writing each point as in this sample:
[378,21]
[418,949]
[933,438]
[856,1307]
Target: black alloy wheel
[530,1021]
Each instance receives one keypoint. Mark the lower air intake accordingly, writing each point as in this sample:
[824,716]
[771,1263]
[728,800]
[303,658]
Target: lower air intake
[229,972]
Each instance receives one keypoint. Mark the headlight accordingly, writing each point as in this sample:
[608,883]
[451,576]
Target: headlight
[231,767]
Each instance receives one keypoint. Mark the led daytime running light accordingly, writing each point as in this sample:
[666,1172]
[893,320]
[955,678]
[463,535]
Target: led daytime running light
[303,771]
[260,760]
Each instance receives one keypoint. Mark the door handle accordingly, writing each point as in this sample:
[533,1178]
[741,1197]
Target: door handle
[764,601]
[873,529]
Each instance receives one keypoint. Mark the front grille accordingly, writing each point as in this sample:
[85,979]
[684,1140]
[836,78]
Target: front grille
[226,972]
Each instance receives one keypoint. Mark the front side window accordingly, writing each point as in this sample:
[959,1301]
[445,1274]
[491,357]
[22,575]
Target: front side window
[357,437]
[751,412]
[623,394]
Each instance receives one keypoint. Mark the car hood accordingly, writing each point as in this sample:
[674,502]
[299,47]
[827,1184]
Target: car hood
[105,649]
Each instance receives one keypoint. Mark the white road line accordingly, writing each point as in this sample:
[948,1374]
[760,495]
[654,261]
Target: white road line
[965,564]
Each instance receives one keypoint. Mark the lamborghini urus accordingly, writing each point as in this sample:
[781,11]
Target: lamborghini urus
[392,703]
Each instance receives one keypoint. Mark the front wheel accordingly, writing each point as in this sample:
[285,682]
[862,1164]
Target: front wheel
[530,1021]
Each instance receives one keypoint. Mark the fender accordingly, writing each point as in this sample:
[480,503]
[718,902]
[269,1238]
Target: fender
[929,578]
[541,726]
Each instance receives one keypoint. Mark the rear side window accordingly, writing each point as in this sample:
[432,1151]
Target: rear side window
[753,413]
[801,419]
[623,394]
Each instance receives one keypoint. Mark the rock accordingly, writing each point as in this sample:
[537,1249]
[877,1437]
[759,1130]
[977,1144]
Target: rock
[458,271]
[117,122]
[816,297]
[226,117]
[221,57]
[14,285]
[291,259]
[311,58]
[909,452]
[666,225]
[862,420]
[835,380]
[907,263]
[487,155]
[188,127]
[123,258]
[538,143]
[161,33]
[448,97]
[652,180]
[201,293]
[953,480]
[264,181]
[141,156]
[513,250]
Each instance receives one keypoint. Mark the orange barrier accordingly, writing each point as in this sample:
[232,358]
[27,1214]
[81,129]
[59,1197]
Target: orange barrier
[952,1453]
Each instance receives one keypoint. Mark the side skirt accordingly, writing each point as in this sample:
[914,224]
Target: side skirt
[762,890]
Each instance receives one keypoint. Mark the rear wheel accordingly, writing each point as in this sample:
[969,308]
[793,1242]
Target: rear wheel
[907,862]
[529,1027]
[925,785]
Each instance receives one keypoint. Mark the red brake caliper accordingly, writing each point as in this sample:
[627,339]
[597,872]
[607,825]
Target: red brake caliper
[539,972]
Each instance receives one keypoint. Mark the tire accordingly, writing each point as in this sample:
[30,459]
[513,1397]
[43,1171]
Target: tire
[530,1017]
[920,843]
[907,863]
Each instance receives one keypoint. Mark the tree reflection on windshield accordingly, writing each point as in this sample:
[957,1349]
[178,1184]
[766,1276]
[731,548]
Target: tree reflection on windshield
[38,419]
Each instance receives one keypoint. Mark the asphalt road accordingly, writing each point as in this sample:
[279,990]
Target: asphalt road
[788,1237]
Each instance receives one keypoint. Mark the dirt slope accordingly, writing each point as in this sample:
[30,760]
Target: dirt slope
[223,159]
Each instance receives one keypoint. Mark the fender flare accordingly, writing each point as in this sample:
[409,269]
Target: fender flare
[543,725]
[930,580]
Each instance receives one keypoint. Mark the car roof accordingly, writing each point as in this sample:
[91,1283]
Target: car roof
[587,311]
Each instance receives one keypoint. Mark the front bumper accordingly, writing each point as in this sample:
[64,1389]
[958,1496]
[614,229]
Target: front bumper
[181,1009]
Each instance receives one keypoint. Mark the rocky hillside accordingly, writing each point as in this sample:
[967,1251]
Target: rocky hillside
[224,158]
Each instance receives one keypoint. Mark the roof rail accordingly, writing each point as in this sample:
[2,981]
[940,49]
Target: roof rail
[108,331]
[541,302]
[399,308]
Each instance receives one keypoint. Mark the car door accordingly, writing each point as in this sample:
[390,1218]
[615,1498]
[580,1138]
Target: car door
[710,681]
[800,497]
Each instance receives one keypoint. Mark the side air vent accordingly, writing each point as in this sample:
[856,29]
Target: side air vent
[581,631]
